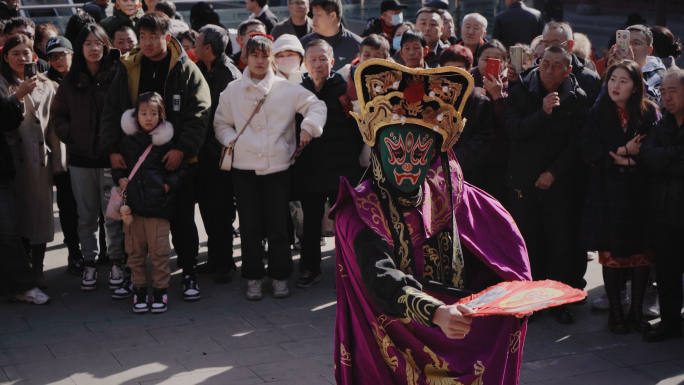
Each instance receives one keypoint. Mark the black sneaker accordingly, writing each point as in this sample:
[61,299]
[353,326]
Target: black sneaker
[307,279]
[191,290]
[224,276]
[77,266]
[160,301]
[140,300]
[125,290]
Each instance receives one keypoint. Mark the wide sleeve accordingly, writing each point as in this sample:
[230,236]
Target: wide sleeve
[224,123]
[313,110]
[489,232]
[196,114]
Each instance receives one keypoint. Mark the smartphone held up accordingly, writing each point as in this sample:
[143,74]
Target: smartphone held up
[30,70]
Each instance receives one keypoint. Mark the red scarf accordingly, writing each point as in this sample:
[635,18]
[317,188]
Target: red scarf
[623,115]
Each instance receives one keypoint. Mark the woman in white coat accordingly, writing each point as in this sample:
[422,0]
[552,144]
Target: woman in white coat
[263,155]
[36,151]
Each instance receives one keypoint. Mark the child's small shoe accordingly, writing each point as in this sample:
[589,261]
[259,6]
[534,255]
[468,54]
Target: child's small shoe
[160,302]
[140,300]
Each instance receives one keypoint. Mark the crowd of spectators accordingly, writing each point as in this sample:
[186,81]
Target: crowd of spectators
[585,153]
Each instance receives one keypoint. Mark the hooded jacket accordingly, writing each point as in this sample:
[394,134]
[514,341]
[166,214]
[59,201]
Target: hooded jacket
[187,101]
[268,143]
[145,193]
[653,71]
[541,142]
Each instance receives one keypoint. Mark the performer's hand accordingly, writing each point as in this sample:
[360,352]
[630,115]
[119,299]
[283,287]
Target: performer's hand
[452,321]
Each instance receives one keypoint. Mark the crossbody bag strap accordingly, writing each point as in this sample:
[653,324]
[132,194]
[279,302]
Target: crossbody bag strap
[140,161]
[258,107]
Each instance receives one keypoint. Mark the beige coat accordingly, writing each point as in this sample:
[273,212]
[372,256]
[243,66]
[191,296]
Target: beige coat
[37,153]
[267,144]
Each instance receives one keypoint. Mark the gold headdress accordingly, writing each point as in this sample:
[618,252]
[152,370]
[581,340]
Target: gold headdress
[390,93]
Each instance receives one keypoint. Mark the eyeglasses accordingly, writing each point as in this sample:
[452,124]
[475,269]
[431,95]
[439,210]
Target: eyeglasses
[547,44]
[56,57]
[99,44]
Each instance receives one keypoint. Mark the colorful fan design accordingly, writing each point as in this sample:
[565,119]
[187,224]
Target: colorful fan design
[521,298]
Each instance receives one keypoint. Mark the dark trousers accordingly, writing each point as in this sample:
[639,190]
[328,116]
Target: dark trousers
[214,193]
[669,267]
[546,222]
[313,209]
[183,228]
[263,204]
[15,273]
[68,212]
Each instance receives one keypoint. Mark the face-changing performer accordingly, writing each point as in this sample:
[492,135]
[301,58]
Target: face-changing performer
[399,235]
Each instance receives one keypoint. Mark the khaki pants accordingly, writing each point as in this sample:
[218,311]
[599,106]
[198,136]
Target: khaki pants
[148,236]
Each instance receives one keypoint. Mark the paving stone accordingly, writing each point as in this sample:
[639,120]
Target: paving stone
[24,354]
[236,358]
[173,350]
[622,376]
[81,316]
[662,371]
[214,310]
[293,369]
[229,375]
[309,380]
[220,329]
[100,364]
[641,352]
[325,327]
[289,317]
[157,370]
[14,326]
[556,381]
[94,344]
[16,310]
[252,339]
[308,348]
[543,349]
[138,322]
[40,337]
[563,367]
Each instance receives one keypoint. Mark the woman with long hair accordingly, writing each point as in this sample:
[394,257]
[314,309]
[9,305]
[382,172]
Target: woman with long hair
[36,151]
[615,213]
[75,116]
[264,150]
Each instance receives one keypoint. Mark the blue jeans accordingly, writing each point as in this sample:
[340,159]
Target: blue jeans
[15,273]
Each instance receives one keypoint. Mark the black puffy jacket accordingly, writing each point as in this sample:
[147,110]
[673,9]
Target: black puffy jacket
[145,193]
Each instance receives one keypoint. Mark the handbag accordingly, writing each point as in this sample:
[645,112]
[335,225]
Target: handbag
[226,162]
[117,198]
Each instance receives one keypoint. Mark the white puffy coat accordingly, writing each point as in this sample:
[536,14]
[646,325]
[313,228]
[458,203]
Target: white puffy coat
[267,145]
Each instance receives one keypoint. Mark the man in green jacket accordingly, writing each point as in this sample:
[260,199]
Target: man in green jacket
[159,64]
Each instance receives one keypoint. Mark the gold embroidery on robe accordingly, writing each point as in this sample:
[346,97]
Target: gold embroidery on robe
[515,342]
[345,357]
[419,306]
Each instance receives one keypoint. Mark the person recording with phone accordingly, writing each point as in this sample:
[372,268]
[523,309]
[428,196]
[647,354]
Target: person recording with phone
[36,150]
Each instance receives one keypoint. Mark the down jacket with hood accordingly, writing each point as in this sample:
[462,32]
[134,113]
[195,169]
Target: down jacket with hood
[268,143]
[145,193]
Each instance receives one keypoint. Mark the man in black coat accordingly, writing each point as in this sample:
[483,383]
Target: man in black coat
[16,277]
[260,12]
[663,154]
[213,186]
[317,171]
[544,118]
[517,24]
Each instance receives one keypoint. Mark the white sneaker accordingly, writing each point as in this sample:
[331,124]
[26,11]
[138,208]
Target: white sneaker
[116,276]
[254,289]
[89,281]
[651,305]
[280,289]
[602,303]
[34,295]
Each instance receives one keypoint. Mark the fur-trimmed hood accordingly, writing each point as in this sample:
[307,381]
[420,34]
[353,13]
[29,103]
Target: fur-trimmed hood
[160,136]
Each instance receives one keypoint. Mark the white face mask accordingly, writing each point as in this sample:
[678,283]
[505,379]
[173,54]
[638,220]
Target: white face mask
[396,43]
[397,19]
[288,64]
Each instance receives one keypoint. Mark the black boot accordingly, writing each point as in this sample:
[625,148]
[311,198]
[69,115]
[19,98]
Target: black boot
[37,258]
[612,279]
[640,279]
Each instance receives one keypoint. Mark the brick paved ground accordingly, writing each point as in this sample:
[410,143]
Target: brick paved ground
[88,338]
